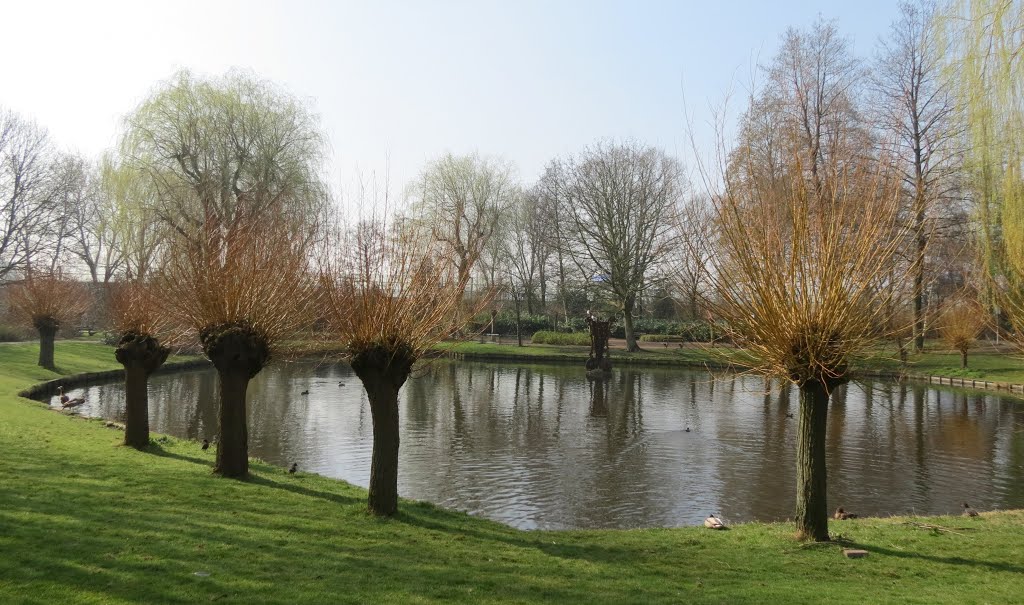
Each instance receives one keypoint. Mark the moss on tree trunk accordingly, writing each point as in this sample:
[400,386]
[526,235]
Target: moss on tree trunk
[238,352]
[811,476]
[383,372]
[141,355]
[47,327]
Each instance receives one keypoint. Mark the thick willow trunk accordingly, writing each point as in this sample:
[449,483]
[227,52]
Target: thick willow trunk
[47,328]
[238,352]
[811,505]
[136,407]
[233,428]
[141,355]
[383,372]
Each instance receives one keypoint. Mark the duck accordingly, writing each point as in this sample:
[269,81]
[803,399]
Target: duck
[687,430]
[306,392]
[713,522]
[341,384]
[206,444]
[294,468]
[842,515]
[77,401]
[63,398]
[968,511]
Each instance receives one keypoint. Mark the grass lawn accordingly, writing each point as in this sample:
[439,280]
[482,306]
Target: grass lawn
[86,520]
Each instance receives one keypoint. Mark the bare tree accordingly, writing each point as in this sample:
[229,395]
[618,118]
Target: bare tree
[92,220]
[619,202]
[143,328]
[390,295]
[26,191]
[462,199]
[47,300]
[916,105]
[797,279]
[961,321]
[245,290]
[694,252]
[136,234]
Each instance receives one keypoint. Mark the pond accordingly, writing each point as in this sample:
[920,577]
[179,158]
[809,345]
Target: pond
[542,447]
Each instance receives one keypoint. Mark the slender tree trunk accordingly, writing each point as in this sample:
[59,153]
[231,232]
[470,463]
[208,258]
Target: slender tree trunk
[47,334]
[963,359]
[627,325]
[811,504]
[919,284]
[136,407]
[519,320]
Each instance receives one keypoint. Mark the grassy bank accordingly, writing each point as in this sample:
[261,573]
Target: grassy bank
[984,364]
[83,519]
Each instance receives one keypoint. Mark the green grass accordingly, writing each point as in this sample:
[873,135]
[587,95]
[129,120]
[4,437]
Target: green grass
[86,520]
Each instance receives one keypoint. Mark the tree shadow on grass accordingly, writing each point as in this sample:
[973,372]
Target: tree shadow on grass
[550,543]
[992,565]
[303,491]
[157,450]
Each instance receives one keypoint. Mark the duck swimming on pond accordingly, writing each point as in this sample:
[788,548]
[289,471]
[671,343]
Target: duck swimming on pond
[306,392]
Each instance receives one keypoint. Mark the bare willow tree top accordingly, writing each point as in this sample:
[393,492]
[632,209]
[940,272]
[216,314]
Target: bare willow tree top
[797,278]
[394,290]
[227,146]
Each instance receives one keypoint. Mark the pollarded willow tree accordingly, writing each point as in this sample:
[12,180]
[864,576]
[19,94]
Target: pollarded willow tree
[234,164]
[390,295]
[619,202]
[141,322]
[47,300]
[960,322]
[245,289]
[796,282]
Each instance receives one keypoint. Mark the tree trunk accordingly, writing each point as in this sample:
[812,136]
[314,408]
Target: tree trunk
[141,355]
[47,334]
[383,372]
[811,504]
[519,320]
[136,407]
[238,352]
[233,430]
[963,359]
[627,324]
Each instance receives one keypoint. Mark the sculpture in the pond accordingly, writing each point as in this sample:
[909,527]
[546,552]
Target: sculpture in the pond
[599,332]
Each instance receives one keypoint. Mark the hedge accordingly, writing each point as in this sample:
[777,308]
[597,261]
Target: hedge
[546,337]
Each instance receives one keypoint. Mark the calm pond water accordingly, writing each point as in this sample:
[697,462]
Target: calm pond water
[542,447]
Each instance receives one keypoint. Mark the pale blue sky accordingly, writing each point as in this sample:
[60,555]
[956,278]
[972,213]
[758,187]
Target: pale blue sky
[399,83]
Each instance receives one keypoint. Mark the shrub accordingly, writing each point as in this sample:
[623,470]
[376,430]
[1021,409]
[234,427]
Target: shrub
[545,337]
[505,323]
[662,338]
[11,334]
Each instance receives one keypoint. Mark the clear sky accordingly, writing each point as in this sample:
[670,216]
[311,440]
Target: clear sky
[399,83]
